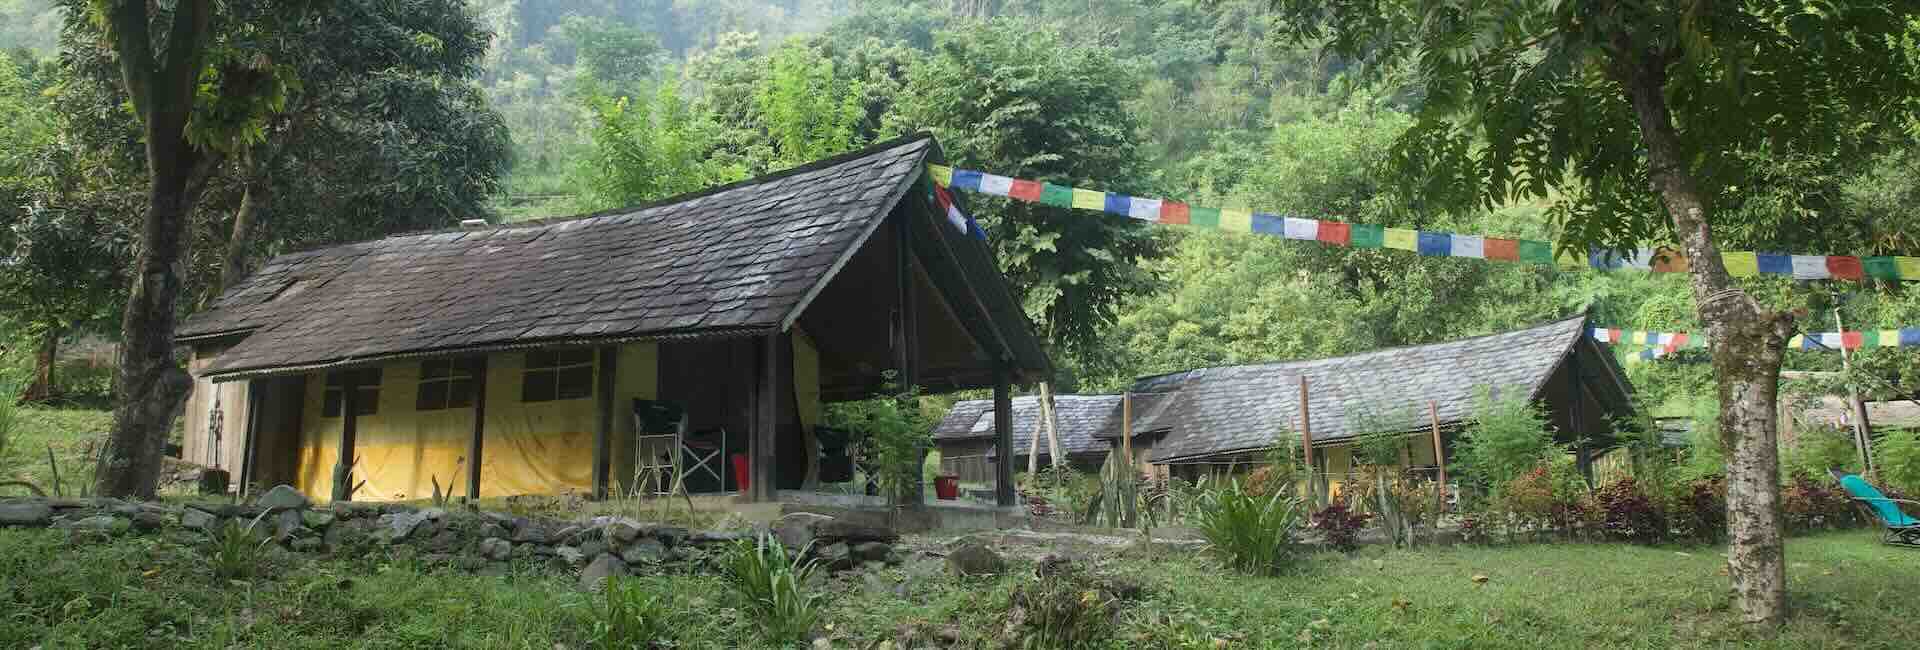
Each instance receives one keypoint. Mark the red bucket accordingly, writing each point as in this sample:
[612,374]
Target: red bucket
[740,480]
[947,488]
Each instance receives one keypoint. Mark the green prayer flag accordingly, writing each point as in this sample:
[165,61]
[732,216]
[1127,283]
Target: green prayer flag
[1204,217]
[1883,267]
[1536,252]
[1368,236]
[1870,339]
[1056,195]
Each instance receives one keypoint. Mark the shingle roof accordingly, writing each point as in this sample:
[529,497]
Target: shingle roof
[738,258]
[1080,418]
[1239,408]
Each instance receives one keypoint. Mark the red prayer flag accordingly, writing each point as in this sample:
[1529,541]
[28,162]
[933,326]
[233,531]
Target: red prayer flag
[1174,212]
[1679,341]
[940,196]
[1850,340]
[1845,267]
[1613,334]
[1334,232]
[1496,248]
[1028,191]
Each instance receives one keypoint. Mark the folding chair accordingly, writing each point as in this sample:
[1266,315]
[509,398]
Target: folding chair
[705,452]
[1902,529]
[658,428]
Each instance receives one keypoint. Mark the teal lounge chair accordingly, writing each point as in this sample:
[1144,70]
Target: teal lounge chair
[1902,529]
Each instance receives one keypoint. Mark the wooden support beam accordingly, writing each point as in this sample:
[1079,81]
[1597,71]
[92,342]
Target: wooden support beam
[349,414]
[1003,435]
[907,340]
[1582,460]
[1439,452]
[477,444]
[603,432]
[1306,443]
[256,396]
[763,440]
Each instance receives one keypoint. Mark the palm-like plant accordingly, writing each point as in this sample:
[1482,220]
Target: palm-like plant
[773,585]
[1252,533]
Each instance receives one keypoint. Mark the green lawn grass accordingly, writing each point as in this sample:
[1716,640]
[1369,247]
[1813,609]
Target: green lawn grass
[68,431]
[1848,592]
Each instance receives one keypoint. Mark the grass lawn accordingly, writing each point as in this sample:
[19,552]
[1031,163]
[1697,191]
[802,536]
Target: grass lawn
[1849,592]
[68,431]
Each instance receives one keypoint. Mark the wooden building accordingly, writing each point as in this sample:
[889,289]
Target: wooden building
[510,356]
[969,448]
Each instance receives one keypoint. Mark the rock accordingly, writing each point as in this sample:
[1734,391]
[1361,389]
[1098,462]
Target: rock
[24,513]
[717,537]
[872,551]
[286,522]
[494,548]
[491,529]
[1053,564]
[469,563]
[602,568]
[198,519]
[446,541]
[355,510]
[148,521]
[214,481]
[570,554]
[529,533]
[622,533]
[834,556]
[592,547]
[403,524]
[124,509]
[973,559]
[796,530]
[565,534]
[305,544]
[669,535]
[539,550]
[282,496]
[108,524]
[645,551]
[317,519]
[433,514]
[853,532]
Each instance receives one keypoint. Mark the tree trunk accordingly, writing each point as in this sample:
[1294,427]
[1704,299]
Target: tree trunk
[44,362]
[1747,342]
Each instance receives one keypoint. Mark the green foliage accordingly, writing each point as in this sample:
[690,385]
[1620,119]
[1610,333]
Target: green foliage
[1506,437]
[1064,609]
[809,111]
[1251,533]
[1817,449]
[898,429]
[649,148]
[631,616]
[774,587]
[236,550]
[1896,458]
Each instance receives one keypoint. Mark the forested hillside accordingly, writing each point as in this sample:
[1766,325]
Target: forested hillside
[612,102]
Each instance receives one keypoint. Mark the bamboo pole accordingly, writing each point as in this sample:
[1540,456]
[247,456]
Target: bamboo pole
[1439,452]
[1053,426]
[1033,441]
[1862,430]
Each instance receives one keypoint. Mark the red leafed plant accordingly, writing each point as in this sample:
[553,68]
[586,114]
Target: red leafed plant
[1341,524]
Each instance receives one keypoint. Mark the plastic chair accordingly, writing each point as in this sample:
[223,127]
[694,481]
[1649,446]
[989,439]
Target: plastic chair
[1902,529]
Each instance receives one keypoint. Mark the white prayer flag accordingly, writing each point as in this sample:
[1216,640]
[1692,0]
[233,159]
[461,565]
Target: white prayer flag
[1469,246]
[1144,209]
[1308,229]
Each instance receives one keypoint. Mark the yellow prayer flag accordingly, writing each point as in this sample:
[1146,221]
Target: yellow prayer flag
[1570,260]
[1089,199]
[1889,338]
[942,174]
[1236,219]
[1909,267]
[1403,239]
[1797,342]
[1741,264]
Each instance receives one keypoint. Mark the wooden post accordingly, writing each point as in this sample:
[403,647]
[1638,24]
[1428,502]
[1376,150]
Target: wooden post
[1862,430]
[349,412]
[1306,443]
[1581,459]
[1003,435]
[1126,429]
[1053,426]
[906,343]
[1033,440]
[476,445]
[766,421]
[1439,451]
[603,432]
[256,389]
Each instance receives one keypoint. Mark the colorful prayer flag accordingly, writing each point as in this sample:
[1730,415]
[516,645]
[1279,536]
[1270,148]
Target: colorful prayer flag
[1797,342]
[1830,339]
[1881,266]
[1402,239]
[1600,334]
[1119,204]
[1909,336]
[1269,224]
[1436,244]
[942,175]
[1889,338]
[1089,199]
[1851,340]
[966,179]
[1681,340]
[1604,259]
[1501,249]
[1362,235]
[1174,212]
[1236,220]
[1026,190]
[1298,228]
[1536,252]
[1641,259]
[1059,196]
[1772,264]
[1469,246]
[995,184]
[1144,209]
[1204,217]
[1869,338]
[1909,267]
[1334,233]
[1741,264]
[1810,267]
[1845,267]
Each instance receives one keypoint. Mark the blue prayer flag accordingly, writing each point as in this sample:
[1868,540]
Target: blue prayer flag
[966,179]
[1775,264]
[1269,224]
[1119,204]
[1604,259]
[1436,244]
[1909,336]
[974,227]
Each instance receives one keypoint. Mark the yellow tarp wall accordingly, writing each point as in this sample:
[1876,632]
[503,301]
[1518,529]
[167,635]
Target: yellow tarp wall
[530,448]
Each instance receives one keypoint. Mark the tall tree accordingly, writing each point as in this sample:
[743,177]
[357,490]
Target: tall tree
[1602,101]
[198,99]
[1008,98]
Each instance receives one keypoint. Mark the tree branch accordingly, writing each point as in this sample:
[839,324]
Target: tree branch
[185,48]
[135,46]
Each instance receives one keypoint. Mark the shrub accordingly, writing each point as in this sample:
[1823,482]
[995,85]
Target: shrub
[1816,450]
[1341,524]
[1697,510]
[1627,513]
[1810,504]
[1252,533]
[1896,458]
[630,617]
[898,430]
[773,586]
[236,550]
[1507,437]
[1064,608]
